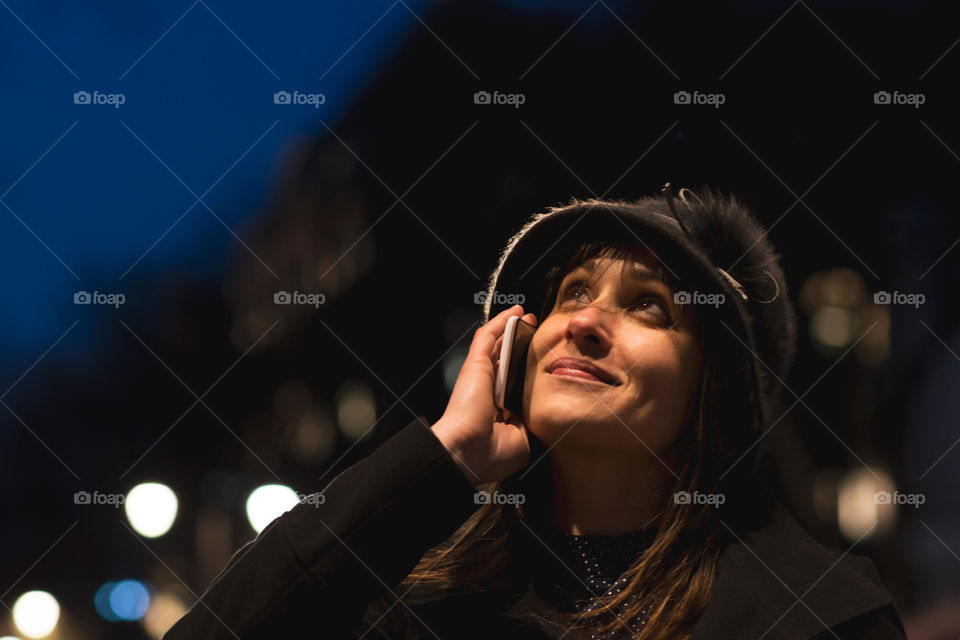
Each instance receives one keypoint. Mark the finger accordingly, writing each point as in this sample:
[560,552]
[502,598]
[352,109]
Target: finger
[510,417]
[497,346]
[486,336]
[507,417]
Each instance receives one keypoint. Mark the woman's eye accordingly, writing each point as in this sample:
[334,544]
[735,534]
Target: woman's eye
[646,303]
[572,290]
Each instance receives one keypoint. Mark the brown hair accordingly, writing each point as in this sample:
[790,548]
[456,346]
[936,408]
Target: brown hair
[670,581]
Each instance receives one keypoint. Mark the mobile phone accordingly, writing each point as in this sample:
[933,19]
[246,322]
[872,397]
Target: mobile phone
[508,387]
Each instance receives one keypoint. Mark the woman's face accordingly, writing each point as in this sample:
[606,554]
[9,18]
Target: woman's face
[617,316]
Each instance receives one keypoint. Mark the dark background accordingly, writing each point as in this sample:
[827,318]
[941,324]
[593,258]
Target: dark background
[394,198]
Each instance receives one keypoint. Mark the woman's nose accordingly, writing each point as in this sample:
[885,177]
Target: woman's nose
[590,325]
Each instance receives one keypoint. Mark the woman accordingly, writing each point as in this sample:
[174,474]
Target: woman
[622,503]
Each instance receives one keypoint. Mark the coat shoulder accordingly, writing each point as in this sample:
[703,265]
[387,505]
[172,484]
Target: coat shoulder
[775,580]
[880,624]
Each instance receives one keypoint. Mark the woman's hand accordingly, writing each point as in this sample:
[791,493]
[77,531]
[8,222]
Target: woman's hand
[487,443]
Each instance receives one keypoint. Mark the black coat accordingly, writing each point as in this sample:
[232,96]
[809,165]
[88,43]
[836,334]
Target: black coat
[325,569]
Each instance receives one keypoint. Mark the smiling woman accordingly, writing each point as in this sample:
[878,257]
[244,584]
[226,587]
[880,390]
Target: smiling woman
[623,503]
[649,382]
[614,315]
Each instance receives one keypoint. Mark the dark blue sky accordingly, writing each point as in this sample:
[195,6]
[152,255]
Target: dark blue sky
[93,192]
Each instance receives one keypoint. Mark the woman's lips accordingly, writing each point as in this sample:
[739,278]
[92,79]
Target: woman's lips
[578,373]
[582,370]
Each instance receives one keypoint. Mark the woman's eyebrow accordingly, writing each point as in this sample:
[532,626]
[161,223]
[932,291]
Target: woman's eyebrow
[638,272]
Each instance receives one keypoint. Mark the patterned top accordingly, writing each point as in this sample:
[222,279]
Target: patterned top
[593,565]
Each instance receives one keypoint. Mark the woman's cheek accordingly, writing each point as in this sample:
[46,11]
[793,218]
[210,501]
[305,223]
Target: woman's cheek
[530,378]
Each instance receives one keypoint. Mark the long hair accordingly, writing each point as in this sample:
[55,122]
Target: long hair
[671,580]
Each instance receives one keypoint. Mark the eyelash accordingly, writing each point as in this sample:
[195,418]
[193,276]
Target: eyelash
[576,285]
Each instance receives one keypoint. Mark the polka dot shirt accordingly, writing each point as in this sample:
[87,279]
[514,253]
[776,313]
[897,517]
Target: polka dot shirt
[595,565]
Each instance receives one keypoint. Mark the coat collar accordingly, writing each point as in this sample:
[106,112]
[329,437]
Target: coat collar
[776,582]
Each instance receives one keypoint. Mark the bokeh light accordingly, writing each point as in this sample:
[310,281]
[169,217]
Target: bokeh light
[36,614]
[129,600]
[356,410]
[859,512]
[101,602]
[268,502]
[123,600]
[151,509]
[164,610]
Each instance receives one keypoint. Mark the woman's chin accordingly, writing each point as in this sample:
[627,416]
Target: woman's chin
[574,403]
[576,421]
[580,420]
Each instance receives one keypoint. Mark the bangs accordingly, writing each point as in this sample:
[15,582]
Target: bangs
[594,250]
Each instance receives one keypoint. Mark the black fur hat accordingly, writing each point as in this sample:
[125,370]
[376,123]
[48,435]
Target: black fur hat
[711,243]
